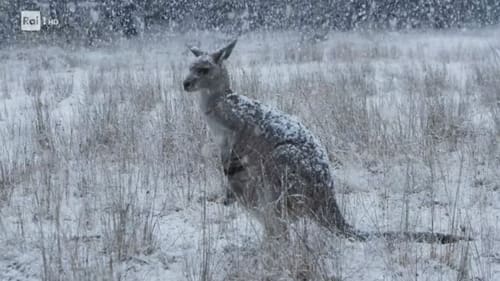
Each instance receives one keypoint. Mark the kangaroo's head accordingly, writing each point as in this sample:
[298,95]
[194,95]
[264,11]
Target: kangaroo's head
[207,72]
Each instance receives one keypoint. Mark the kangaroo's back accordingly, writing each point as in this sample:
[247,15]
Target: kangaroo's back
[260,129]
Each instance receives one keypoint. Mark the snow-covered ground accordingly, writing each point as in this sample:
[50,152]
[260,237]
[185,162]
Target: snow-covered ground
[108,171]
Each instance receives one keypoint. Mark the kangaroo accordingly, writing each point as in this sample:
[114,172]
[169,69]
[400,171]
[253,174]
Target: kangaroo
[276,168]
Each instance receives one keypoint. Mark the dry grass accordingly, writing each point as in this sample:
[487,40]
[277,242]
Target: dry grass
[109,155]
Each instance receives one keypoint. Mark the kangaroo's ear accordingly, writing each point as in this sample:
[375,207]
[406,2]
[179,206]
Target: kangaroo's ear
[197,52]
[224,53]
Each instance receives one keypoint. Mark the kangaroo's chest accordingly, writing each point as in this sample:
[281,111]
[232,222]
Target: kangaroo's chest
[223,136]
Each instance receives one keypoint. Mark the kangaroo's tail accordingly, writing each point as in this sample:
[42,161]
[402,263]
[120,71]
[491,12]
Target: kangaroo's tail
[330,216]
[418,237]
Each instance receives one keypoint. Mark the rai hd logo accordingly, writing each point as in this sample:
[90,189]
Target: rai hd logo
[31,21]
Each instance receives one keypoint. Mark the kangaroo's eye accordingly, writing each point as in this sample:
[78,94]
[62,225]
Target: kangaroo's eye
[203,71]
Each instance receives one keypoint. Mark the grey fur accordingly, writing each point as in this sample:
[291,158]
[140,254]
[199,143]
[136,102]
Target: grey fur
[275,166]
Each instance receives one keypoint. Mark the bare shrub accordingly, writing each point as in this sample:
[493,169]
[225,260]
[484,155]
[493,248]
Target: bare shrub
[381,51]
[175,71]
[129,225]
[61,87]
[7,182]
[204,269]
[349,114]
[72,60]
[307,254]
[342,52]
[95,82]
[305,52]
[46,62]
[486,77]
[143,89]
[108,125]
[350,51]
[42,125]
[147,90]
[115,108]
[48,206]
[33,83]
[4,86]
[248,81]
[435,80]
[445,118]
[435,106]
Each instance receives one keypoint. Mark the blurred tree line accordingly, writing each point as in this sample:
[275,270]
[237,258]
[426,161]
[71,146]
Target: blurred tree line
[98,20]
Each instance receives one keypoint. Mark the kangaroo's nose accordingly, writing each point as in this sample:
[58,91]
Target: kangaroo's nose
[187,85]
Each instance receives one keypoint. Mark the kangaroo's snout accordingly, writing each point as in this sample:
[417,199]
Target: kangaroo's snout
[188,84]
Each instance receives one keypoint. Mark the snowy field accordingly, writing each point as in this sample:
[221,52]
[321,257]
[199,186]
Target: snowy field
[108,171]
